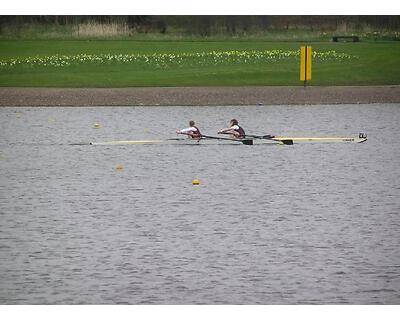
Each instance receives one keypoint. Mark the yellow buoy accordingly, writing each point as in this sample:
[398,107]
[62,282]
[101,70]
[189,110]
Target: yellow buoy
[96,125]
[195,182]
[119,167]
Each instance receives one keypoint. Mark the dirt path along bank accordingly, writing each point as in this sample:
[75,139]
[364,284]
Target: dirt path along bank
[189,96]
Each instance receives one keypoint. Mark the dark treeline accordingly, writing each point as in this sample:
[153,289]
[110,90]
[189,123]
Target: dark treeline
[209,25]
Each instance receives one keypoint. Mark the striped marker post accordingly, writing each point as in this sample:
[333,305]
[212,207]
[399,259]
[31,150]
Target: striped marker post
[305,64]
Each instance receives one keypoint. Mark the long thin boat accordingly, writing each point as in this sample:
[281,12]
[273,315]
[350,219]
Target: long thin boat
[247,141]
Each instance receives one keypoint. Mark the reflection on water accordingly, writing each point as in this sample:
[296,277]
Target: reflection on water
[314,223]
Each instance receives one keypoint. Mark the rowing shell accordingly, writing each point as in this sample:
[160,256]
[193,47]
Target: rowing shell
[184,141]
[357,140]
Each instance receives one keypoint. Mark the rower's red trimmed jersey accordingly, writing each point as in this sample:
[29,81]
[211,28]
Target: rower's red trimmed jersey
[239,130]
[193,132]
[196,134]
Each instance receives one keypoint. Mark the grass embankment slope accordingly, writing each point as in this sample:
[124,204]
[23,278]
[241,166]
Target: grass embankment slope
[108,63]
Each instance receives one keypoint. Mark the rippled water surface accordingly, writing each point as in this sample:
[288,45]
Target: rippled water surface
[268,224]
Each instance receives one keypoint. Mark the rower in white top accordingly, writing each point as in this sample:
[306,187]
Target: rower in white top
[235,130]
[192,131]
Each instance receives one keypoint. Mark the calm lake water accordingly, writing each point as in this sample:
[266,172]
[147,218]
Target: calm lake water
[268,224]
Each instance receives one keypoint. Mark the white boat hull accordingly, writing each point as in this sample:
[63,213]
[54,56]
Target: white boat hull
[206,141]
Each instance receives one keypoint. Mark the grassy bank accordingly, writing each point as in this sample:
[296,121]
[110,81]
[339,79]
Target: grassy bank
[60,63]
[120,30]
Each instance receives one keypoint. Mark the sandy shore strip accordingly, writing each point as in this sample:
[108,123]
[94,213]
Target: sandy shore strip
[198,96]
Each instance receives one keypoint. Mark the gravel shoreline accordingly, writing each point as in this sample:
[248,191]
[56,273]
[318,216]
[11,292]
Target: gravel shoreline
[195,96]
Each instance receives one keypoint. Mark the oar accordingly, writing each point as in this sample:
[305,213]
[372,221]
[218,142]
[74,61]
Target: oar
[248,142]
[270,137]
[266,137]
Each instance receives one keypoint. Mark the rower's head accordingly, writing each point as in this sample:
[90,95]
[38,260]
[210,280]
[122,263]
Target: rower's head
[191,123]
[234,122]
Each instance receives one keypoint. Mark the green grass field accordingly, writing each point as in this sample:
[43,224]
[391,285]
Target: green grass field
[108,63]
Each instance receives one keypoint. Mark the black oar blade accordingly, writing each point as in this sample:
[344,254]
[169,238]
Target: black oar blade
[248,142]
[288,142]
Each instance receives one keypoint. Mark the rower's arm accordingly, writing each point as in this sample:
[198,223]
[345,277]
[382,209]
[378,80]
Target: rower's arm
[187,130]
[225,130]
